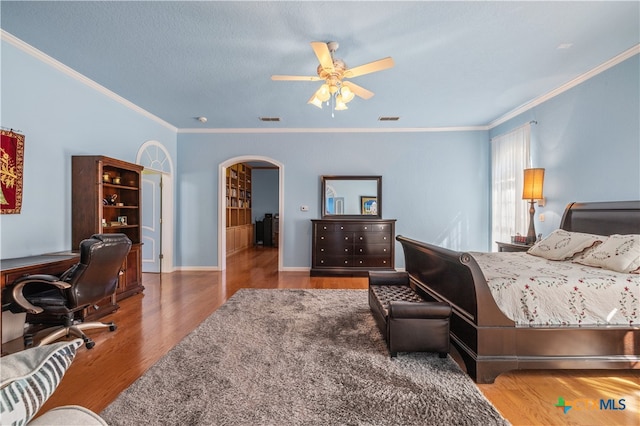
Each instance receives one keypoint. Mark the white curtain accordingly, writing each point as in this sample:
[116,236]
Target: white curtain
[510,155]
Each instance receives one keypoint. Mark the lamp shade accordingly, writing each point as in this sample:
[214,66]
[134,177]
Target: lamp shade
[533,182]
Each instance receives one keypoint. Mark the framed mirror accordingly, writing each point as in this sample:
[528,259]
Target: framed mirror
[351,197]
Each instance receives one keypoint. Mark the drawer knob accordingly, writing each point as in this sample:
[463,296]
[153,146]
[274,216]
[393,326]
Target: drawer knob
[361,262]
[361,238]
[366,227]
[346,249]
[346,261]
[321,249]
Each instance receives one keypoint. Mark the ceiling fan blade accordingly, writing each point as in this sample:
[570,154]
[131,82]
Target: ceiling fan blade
[324,56]
[379,65]
[295,78]
[358,90]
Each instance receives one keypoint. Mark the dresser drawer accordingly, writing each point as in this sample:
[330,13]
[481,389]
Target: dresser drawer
[326,227]
[382,227]
[372,238]
[372,250]
[334,249]
[372,261]
[338,237]
[334,261]
[353,227]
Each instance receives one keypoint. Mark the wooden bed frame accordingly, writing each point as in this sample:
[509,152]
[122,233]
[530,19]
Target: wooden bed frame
[489,342]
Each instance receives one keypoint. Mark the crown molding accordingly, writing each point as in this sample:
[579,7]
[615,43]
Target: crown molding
[569,85]
[41,56]
[340,130]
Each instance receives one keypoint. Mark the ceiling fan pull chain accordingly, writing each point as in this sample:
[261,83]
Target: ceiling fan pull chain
[332,106]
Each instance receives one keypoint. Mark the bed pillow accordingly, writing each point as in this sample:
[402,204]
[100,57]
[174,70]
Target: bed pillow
[29,378]
[620,253]
[563,245]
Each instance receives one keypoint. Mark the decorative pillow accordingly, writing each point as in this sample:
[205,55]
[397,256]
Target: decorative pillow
[620,253]
[563,245]
[29,378]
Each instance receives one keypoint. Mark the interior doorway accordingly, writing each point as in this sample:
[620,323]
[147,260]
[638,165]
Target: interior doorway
[152,221]
[222,205]
[157,206]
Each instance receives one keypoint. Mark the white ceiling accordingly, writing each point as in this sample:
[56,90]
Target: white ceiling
[456,63]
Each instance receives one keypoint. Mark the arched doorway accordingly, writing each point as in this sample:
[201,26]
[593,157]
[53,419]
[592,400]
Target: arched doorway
[222,235]
[157,207]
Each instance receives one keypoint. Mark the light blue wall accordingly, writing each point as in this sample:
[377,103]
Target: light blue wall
[434,184]
[588,140]
[264,197]
[60,117]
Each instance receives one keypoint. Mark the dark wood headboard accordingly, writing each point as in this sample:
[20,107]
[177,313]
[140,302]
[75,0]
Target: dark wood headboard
[602,218]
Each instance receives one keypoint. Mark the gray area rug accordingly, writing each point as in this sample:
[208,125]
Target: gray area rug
[298,357]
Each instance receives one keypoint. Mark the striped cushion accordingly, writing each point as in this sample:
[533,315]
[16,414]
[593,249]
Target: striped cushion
[30,377]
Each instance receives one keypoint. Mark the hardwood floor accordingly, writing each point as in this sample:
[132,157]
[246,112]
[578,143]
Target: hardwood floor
[172,305]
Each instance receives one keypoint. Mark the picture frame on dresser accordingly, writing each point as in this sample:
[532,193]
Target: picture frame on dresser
[368,205]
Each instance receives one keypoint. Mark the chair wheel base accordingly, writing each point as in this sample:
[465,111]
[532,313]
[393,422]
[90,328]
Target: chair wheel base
[28,340]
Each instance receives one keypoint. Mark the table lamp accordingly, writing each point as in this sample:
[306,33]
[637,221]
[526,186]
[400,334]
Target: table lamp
[532,191]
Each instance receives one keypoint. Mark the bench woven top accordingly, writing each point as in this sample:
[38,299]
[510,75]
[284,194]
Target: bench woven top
[387,293]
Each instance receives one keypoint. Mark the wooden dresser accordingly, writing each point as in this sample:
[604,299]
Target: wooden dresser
[352,247]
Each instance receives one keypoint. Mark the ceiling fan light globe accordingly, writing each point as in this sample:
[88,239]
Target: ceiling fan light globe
[333,89]
[315,101]
[341,106]
[347,94]
[323,93]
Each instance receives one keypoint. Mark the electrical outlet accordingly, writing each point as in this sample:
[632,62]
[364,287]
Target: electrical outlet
[304,208]
[542,217]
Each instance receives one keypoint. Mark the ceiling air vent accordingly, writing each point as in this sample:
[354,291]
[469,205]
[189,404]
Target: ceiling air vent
[269,118]
[388,118]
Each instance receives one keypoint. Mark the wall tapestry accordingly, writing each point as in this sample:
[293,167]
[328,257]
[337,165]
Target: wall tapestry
[11,166]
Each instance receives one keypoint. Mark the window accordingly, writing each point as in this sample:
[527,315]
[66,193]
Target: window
[510,155]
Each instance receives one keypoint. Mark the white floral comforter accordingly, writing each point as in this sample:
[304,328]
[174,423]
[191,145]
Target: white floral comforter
[532,291]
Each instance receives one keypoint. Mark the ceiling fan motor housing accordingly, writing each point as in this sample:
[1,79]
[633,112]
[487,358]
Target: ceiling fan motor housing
[338,70]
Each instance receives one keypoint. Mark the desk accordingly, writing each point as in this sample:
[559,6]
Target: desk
[53,264]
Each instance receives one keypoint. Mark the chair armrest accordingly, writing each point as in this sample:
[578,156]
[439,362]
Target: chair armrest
[430,310]
[388,278]
[18,285]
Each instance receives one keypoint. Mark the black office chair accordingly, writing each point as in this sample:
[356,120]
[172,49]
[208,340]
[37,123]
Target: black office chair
[48,299]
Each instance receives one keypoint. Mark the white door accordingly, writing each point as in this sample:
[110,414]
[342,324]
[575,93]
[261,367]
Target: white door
[151,221]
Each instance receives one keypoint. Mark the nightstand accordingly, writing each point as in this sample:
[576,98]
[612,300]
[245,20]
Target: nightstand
[502,247]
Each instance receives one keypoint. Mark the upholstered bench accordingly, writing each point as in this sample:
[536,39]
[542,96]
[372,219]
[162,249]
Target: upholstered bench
[408,322]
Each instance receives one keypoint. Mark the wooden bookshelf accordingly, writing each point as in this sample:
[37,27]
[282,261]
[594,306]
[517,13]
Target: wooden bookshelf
[105,198]
[238,199]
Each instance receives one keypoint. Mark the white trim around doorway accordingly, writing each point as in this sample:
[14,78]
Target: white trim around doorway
[222,206]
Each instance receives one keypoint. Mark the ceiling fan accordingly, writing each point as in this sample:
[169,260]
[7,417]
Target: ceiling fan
[333,72]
